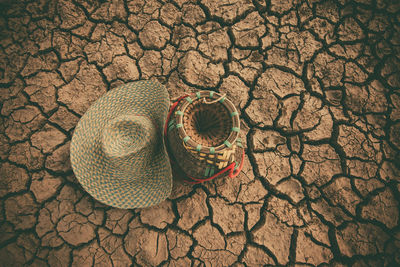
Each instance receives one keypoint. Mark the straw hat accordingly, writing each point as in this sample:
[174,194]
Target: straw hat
[202,132]
[117,150]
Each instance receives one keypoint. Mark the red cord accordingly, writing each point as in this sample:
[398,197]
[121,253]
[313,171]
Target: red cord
[170,113]
[230,167]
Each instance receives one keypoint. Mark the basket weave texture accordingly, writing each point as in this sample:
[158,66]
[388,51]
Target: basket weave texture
[204,136]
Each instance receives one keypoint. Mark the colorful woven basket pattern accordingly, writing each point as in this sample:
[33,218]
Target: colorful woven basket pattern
[117,150]
[200,155]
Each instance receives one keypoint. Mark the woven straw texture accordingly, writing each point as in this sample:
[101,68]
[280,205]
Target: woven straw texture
[117,150]
[211,132]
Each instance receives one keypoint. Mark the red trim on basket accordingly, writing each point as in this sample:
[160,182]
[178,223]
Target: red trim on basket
[170,113]
[230,167]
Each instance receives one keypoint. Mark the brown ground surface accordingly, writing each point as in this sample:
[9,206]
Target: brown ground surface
[317,83]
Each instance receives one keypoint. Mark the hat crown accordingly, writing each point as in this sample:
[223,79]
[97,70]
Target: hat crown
[127,135]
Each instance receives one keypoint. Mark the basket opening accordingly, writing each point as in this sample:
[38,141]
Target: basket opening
[207,124]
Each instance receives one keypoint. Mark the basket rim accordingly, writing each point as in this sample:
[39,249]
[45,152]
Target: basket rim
[233,135]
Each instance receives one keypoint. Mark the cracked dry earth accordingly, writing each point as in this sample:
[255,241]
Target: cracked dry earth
[317,85]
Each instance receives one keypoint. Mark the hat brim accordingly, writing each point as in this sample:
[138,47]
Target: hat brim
[97,174]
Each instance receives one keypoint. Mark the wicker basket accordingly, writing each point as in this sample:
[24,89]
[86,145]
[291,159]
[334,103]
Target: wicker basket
[203,135]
